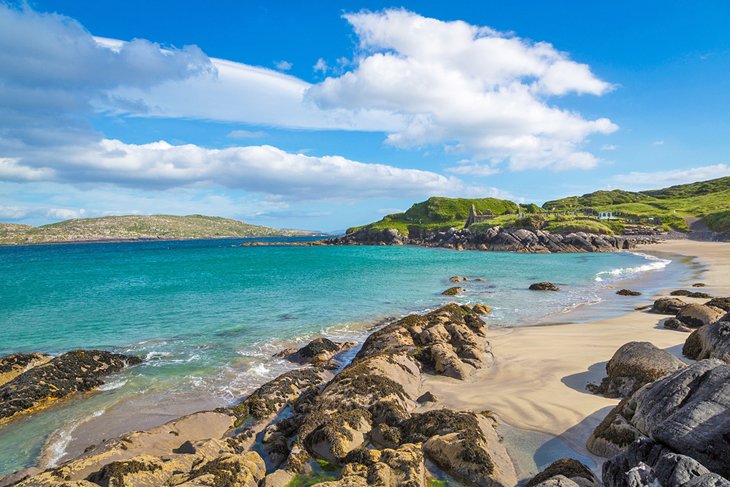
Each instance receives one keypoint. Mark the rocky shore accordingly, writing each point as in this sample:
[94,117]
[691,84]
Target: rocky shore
[388,418]
[495,239]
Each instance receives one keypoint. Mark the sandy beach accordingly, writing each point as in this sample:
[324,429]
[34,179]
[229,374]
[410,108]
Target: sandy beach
[539,377]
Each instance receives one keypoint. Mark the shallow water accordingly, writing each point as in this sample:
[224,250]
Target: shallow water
[207,315]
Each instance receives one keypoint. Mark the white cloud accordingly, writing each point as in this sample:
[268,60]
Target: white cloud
[472,169]
[246,134]
[283,65]
[12,212]
[658,142]
[609,147]
[65,213]
[11,170]
[482,91]
[320,66]
[261,169]
[657,179]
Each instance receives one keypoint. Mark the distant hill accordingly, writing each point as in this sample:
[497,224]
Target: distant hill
[137,227]
[439,213]
[708,200]
[669,208]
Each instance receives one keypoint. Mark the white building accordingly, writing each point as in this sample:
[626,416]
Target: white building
[606,215]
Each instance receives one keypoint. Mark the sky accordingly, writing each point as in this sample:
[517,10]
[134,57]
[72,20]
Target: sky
[325,115]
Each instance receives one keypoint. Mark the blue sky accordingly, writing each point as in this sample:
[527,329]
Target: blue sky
[323,116]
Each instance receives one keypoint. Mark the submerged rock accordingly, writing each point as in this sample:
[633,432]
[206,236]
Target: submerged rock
[569,469]
[628,292]
[709,341]
[634,365]
[457,279]
[453,291]
[72,372]
[696,315]
[687,412]
[544,286]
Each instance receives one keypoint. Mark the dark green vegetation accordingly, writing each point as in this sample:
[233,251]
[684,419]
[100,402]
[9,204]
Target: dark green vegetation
[667,208]
[134,227]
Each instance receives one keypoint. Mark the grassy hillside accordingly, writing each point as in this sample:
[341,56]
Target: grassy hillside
[438,214]
[137,227]
[709,200]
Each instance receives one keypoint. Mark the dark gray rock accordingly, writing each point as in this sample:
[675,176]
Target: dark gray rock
[689,294]
[648,463]
[634,365]
[675,324]
[687,412]
[722,303]
[709,341]
[628,292]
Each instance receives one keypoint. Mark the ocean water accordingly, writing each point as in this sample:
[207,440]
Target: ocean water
[207,315]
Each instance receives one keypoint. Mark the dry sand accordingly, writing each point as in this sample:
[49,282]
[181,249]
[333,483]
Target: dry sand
[539,376]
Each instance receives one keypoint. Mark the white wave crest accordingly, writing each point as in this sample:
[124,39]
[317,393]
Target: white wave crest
[110,386]
[654,264]
[56,448]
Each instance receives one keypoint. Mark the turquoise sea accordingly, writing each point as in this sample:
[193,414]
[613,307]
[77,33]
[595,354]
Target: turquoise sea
[208,314]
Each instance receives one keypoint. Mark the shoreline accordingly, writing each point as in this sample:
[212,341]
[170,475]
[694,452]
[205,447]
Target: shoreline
[152,239]
[511,347]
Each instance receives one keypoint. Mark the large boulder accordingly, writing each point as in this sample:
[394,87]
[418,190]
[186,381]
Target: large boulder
[648,463]
[403,466]
[709,341]
[687,412]
[696,315]
[667,306]
[72,372]
[634,365]
[563,472]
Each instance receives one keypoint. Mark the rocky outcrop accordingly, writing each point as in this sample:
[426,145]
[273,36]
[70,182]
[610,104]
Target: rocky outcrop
[320,352]
[689,294]
[687,413]
[709,341]
[449,341]
[667,306]
[13,365]
[628,292]
[696,315]
[271,397]
[72,372]
[634,365]
[543,286]
[494,239]
[647,463]
[564,472]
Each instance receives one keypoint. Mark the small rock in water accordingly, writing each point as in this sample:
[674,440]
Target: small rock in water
[544,286]
[628,292]
[698,284]
[457,279]
[453,291]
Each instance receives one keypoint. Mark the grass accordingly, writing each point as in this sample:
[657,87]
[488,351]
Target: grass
[136,227]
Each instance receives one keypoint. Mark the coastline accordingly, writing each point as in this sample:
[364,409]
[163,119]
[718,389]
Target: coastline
[532,366]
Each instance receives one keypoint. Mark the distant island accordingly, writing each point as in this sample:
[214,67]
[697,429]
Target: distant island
[138,227]
[702,208]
